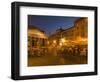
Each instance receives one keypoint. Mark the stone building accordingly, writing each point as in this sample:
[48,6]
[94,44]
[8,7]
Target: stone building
[74,34]
[37,40]
[69,33]
[81,27]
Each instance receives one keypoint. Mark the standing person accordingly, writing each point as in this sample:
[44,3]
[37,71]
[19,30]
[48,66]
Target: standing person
[77,50]
[70,51]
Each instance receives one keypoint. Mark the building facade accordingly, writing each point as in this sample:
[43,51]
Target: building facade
[81,27]
[37,41]
[72,35]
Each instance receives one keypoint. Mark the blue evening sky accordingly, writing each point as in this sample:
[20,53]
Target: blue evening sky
[50,24]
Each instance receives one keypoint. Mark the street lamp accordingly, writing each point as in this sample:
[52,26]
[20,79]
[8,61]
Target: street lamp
[63,40]
[60,44]
[54,41]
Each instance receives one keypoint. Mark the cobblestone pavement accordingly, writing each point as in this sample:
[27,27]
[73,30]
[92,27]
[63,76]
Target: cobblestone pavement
[56,60]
